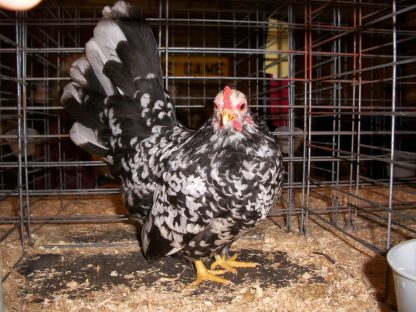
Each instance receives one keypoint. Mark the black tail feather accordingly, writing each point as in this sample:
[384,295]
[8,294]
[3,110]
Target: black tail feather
[117,92]
[78,101]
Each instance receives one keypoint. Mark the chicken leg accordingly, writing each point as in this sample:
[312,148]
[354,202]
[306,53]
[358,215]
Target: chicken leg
[203,274]
[230,264]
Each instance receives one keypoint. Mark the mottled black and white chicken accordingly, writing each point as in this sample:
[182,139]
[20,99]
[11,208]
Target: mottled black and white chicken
[195,192]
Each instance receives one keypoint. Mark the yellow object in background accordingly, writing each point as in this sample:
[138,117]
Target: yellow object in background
[275,64]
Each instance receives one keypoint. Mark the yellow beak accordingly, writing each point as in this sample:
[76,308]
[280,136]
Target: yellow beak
[226,116]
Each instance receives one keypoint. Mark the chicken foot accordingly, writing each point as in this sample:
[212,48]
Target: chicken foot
[230,264]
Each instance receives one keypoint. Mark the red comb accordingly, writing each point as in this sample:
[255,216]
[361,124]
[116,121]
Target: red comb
[227,96]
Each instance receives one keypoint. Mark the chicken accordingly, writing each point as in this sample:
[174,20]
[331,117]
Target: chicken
[194,192]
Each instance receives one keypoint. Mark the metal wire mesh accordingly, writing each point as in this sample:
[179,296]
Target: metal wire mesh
[333,80]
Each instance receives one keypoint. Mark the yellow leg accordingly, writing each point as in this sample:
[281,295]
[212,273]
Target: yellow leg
[203,274]
[231,263]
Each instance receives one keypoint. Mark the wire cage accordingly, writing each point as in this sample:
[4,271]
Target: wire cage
[333,79]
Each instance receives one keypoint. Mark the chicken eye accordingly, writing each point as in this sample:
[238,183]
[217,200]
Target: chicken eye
[243,106]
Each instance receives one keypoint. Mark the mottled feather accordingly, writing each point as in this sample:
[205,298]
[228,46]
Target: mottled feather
[194,191]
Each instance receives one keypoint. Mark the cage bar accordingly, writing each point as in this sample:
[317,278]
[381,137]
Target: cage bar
[333,80]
